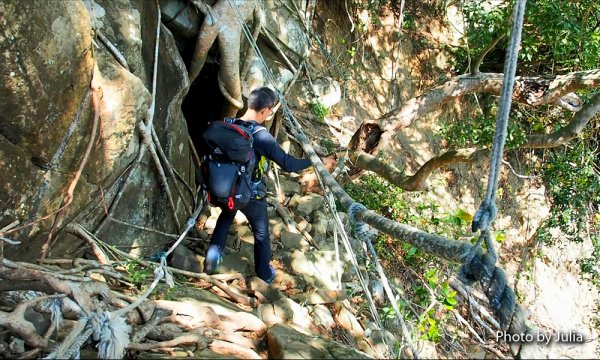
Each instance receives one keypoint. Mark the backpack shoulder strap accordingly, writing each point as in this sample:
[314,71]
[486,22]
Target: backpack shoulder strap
[257,128]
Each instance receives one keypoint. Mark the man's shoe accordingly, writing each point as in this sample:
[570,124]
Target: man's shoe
[212,263]
[272,277]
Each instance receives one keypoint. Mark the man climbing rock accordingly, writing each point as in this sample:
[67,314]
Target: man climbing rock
[260,103]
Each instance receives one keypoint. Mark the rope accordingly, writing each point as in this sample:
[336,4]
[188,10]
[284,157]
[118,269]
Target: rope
[478,266]
[482,266]
[488,210]
[365,233]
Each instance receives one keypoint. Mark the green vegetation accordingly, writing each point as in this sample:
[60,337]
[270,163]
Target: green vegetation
[319,110]
[137,274]
[432,296]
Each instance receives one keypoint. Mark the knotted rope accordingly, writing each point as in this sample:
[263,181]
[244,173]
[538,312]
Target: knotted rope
[482,266]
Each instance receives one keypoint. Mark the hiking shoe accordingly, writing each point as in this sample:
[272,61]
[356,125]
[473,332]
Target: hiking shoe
[272,277]
[213,260]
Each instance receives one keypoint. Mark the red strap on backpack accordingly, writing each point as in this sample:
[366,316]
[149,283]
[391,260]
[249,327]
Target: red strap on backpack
[230,203]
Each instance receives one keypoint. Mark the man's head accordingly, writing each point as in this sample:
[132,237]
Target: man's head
[261,101]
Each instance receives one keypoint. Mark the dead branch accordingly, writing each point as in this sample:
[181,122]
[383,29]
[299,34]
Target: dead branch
[533,91]
[455,284]
[241,299]
[292,226]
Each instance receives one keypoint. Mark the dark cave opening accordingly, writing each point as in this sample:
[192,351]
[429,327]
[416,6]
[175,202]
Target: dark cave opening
[203,103]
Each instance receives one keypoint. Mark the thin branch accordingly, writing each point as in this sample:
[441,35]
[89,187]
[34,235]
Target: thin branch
[484,53]
[183,339]
[90,239]
[170,169]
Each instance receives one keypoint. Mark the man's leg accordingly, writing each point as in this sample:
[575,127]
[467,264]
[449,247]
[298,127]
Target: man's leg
[218,241]
[256,213]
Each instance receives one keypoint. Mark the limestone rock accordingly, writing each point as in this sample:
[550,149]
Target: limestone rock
[317,267]
[285,310]
[308,204]
[346,319]
[320,296]
[294,241]
[185,259]
[284,342]
[323,316]
[289,187]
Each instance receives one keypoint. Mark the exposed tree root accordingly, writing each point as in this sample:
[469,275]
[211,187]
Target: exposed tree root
[224,25]
[68,199]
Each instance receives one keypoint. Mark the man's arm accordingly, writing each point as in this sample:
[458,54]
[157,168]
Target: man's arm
[266,144]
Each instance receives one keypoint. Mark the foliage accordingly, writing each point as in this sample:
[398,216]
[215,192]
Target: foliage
[329,145]
[319,110]
[136,273]
[558,35]
[573,183]
[390,201]
[478,131]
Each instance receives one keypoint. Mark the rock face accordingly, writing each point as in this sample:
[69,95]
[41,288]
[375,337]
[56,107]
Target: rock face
[46,119]
[286,343]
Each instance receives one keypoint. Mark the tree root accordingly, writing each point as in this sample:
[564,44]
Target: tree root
[200,340]
[68,199]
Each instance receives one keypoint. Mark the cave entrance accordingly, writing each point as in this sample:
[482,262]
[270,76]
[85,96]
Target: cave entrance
[203,103]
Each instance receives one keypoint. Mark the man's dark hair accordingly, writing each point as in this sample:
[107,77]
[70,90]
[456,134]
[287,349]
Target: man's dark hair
[261,98]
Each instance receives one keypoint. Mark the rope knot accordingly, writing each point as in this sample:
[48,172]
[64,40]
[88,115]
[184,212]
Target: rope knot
[484,216]
[362,231]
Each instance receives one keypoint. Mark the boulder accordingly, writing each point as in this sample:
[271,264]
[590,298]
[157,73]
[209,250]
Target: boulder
[308,204]
[284,342]
[294,241]
[289,187]
[322,316]
[46,119]
[346,319]
[185,259]
[317,267]
[285,310]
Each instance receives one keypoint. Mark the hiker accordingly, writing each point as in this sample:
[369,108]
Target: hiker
[260,103]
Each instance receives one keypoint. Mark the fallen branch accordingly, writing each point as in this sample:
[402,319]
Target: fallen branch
[291,224]
[241,299]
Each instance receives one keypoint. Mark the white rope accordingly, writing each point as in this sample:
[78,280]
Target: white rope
[488,210]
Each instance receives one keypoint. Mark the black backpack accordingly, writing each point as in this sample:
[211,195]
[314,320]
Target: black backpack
[229,164]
